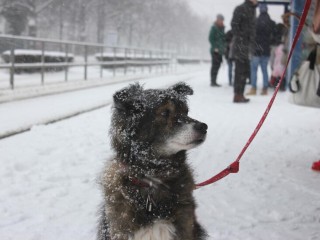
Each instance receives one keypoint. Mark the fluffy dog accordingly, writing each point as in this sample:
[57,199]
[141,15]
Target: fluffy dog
[148,185]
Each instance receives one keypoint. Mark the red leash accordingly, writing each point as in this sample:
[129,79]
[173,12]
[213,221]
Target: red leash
[234,167]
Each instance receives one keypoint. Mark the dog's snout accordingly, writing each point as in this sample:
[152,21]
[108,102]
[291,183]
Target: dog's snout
[201,127]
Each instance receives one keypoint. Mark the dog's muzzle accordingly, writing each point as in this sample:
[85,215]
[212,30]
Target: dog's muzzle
[201,127]
[200,130]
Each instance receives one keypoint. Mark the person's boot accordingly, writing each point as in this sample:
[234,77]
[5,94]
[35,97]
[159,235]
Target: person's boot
[272,81]
[215,85]
[264,92]
[239,98]
[283,85]
[252,91]
[214,82]
[277,79]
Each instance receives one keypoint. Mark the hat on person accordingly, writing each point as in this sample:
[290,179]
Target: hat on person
[263,7]
[220,17]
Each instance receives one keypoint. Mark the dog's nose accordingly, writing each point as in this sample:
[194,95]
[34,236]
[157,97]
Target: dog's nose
[201,127]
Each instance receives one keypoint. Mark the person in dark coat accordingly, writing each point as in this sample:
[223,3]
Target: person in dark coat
[217,42]
[228,55]
[243,28]
[261,52]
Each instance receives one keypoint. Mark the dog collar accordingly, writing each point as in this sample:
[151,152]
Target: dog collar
[139,182]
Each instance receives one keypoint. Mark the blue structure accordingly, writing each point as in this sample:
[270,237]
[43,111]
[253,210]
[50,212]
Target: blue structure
[285,3]
[297,7]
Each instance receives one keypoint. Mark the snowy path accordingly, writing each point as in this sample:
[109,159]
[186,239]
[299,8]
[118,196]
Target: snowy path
[22,115]
[48,175]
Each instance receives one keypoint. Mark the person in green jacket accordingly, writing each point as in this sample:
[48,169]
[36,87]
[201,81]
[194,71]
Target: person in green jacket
[217,42]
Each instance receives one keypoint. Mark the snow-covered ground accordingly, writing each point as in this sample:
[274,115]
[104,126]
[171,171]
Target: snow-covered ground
[22,115]
[48,187]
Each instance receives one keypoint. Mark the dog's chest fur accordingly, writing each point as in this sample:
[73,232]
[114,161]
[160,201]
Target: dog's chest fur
[127,213]
[160,230]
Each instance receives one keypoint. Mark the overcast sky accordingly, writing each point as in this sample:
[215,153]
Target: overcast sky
[210,8]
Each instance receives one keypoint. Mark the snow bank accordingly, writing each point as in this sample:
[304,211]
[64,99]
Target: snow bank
[28,52]
[15,117]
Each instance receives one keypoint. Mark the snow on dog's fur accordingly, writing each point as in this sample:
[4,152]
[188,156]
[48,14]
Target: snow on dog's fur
[148,185]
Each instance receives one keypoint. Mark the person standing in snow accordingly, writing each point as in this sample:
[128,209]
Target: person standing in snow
[243,29]
[261,53]
[279,57]
[217,42]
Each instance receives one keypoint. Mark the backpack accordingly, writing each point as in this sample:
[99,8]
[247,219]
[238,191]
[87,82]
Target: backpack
[305,83]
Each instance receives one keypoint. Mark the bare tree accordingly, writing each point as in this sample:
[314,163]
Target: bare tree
[146,23]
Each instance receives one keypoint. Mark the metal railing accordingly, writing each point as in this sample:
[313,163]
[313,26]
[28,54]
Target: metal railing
[70,54]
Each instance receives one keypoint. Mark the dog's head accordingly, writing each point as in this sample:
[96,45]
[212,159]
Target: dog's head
[155,119]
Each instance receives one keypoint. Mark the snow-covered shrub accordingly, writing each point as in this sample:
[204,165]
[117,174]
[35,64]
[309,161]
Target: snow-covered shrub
[26,56]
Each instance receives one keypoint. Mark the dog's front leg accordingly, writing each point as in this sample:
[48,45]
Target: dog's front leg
[112,230]
[121,225]
[187,226]
[184,223]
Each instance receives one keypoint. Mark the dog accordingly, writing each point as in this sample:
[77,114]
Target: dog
[148,185]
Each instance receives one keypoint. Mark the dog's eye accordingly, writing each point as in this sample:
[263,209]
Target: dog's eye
[179,118]
[165,113]
[179,121]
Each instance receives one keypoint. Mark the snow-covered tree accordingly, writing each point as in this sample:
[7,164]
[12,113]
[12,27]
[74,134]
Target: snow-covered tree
[17,14]
[164,24]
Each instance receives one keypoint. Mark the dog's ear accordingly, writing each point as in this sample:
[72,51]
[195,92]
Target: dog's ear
[126,99]
[182,88]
